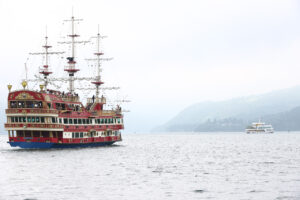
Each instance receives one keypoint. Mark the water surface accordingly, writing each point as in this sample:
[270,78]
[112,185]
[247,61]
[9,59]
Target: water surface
[158,166]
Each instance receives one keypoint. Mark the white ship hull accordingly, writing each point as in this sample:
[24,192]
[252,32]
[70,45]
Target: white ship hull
[259,131]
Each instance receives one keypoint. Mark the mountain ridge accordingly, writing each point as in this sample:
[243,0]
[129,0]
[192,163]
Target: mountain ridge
[234,114]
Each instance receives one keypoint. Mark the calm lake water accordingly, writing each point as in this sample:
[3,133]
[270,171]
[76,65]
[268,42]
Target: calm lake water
[158,166]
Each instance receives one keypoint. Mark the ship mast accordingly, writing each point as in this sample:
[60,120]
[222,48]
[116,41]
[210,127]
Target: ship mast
[71,69]
[98,81]
[45,69]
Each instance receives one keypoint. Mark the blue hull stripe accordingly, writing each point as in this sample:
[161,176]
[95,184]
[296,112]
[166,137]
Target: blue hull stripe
[39,145]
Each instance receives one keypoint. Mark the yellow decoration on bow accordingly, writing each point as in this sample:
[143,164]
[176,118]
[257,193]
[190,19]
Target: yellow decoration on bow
[24,84]
[9,87]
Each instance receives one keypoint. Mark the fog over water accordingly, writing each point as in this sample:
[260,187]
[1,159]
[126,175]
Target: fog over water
[158,166]
[167,54]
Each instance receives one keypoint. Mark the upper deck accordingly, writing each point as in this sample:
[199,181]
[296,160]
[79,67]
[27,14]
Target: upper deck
[56,103]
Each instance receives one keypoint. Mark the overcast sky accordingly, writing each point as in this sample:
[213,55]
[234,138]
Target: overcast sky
[167,54]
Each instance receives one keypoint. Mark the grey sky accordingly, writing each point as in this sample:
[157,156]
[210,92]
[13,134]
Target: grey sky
[167,54]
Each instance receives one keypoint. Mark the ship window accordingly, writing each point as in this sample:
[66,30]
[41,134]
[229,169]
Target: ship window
[79,121]
[77,135]
[60,120]
[12,119]
[49,105]
[81,134]
[42,119]
[87,121]
[33,119]
[70,121]
[65,120]
[57,105]
[29,104]
[73,135]
[105,121]
[37,119]
[13,104]
[20,104]
[75,121]
[53,119]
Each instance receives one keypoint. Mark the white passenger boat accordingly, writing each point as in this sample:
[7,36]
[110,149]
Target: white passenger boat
[259,127]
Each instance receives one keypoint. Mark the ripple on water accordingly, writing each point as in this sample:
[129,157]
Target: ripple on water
[199,191]
[179,166]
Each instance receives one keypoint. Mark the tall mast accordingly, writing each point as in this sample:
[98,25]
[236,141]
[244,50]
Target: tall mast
[98,81]
[45,70]
[71,60]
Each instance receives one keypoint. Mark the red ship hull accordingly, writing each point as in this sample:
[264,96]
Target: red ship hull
[45,143]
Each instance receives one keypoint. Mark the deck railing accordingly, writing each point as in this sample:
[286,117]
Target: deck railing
[31,125]
[30,111]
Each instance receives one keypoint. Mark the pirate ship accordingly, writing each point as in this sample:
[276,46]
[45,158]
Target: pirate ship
[47,118]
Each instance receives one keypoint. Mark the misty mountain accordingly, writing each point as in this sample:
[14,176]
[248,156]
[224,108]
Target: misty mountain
[280,108]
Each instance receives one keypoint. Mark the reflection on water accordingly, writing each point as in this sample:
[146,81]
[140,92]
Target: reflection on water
[158,166]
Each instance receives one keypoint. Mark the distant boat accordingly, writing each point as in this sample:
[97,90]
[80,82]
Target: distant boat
[259,127]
